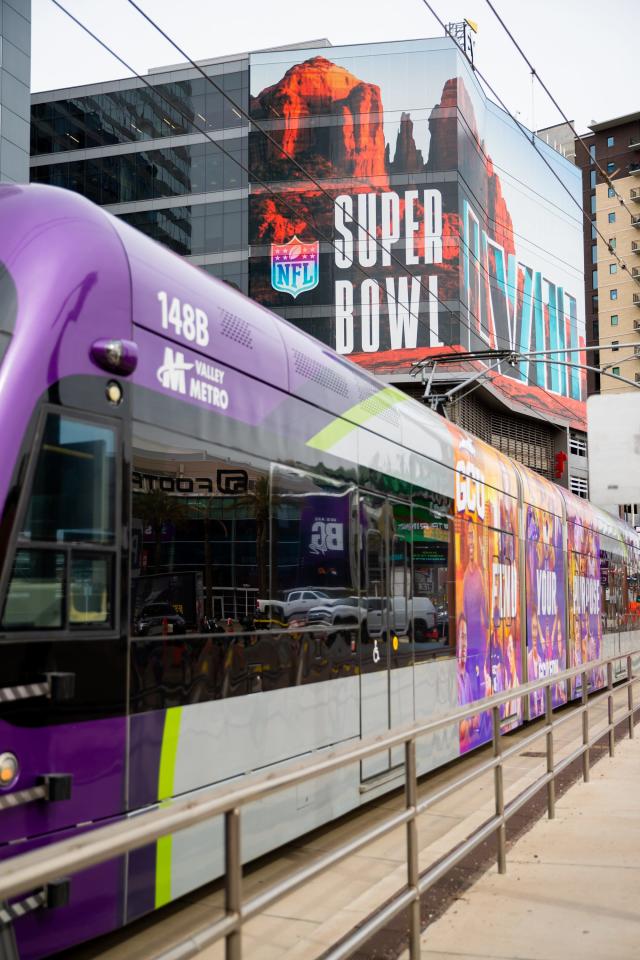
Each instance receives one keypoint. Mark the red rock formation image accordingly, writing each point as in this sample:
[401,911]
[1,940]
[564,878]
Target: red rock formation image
[407,158]
[308,90]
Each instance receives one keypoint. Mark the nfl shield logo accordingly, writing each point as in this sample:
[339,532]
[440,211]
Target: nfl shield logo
[295,266]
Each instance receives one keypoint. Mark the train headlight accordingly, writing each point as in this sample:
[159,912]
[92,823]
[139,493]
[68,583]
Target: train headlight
[9,770]
[114,392]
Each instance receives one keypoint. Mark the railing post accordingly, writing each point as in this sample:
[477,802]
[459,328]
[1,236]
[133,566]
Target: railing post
[612,738]
[630,695]
[551,786]
[585,728]
[498,779]
[413,875]
[232,881]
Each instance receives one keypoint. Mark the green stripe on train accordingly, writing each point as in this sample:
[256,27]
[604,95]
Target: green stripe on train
[330,435]
[166,775]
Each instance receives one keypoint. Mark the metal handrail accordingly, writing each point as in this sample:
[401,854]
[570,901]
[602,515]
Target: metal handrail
[30,870]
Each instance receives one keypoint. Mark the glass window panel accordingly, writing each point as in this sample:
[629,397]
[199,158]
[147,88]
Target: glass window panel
[73,493]
[431,547]
[35,598]
[90,590]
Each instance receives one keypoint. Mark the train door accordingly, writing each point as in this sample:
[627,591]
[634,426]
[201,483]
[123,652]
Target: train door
[374,629]
[62,702]
[385,642]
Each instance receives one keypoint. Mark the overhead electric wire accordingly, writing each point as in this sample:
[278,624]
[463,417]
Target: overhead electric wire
[531,141]
[534,73]
[242,113]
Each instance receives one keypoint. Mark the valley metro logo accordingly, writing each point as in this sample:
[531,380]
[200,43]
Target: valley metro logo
[171,373]
[295,266]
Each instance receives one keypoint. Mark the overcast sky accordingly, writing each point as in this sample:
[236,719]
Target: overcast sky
[566,40]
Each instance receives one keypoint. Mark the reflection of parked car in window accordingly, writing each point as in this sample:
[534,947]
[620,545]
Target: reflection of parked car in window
[339,611]
[415,616]
[295,604]
[156,618]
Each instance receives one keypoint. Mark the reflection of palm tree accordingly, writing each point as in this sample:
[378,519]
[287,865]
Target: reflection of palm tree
[155,509]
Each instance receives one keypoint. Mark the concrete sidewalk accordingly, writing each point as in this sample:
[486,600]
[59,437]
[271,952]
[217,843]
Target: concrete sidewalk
[572,887]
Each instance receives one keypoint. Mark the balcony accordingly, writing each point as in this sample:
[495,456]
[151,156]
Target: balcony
[636,325]
[637,377]
[635,222]
[634,195]
[636,299]
[634,140]
[635,272]
[634,169]
[635,246]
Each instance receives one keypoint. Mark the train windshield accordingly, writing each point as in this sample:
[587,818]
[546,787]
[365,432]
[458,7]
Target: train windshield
[64,560]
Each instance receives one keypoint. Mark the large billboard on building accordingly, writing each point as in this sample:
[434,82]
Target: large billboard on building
[430,222]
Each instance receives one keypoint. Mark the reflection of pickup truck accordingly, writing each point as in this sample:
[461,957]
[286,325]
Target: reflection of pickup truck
[415,617]
[339,611]
[295,604]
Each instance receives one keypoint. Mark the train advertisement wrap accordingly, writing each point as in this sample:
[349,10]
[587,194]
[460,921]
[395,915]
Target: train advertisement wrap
[418,233]
[585,595]
[487,600]
[545,571]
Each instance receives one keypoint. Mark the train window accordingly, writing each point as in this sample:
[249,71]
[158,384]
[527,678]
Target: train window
[72,497]
[90,590]
[433,599]
[35,598]
[202,521]
[313,537]
[55,584]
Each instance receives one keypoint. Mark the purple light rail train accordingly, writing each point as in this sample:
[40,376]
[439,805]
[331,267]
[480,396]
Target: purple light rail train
[224,546]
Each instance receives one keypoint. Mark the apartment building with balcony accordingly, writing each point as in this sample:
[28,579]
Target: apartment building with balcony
[612,298]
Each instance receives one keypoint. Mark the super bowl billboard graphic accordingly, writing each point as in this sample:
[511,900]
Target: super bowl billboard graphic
[487,596]
[437,225]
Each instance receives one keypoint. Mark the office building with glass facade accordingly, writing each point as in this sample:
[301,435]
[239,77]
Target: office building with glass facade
[144,153]
[15,76]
